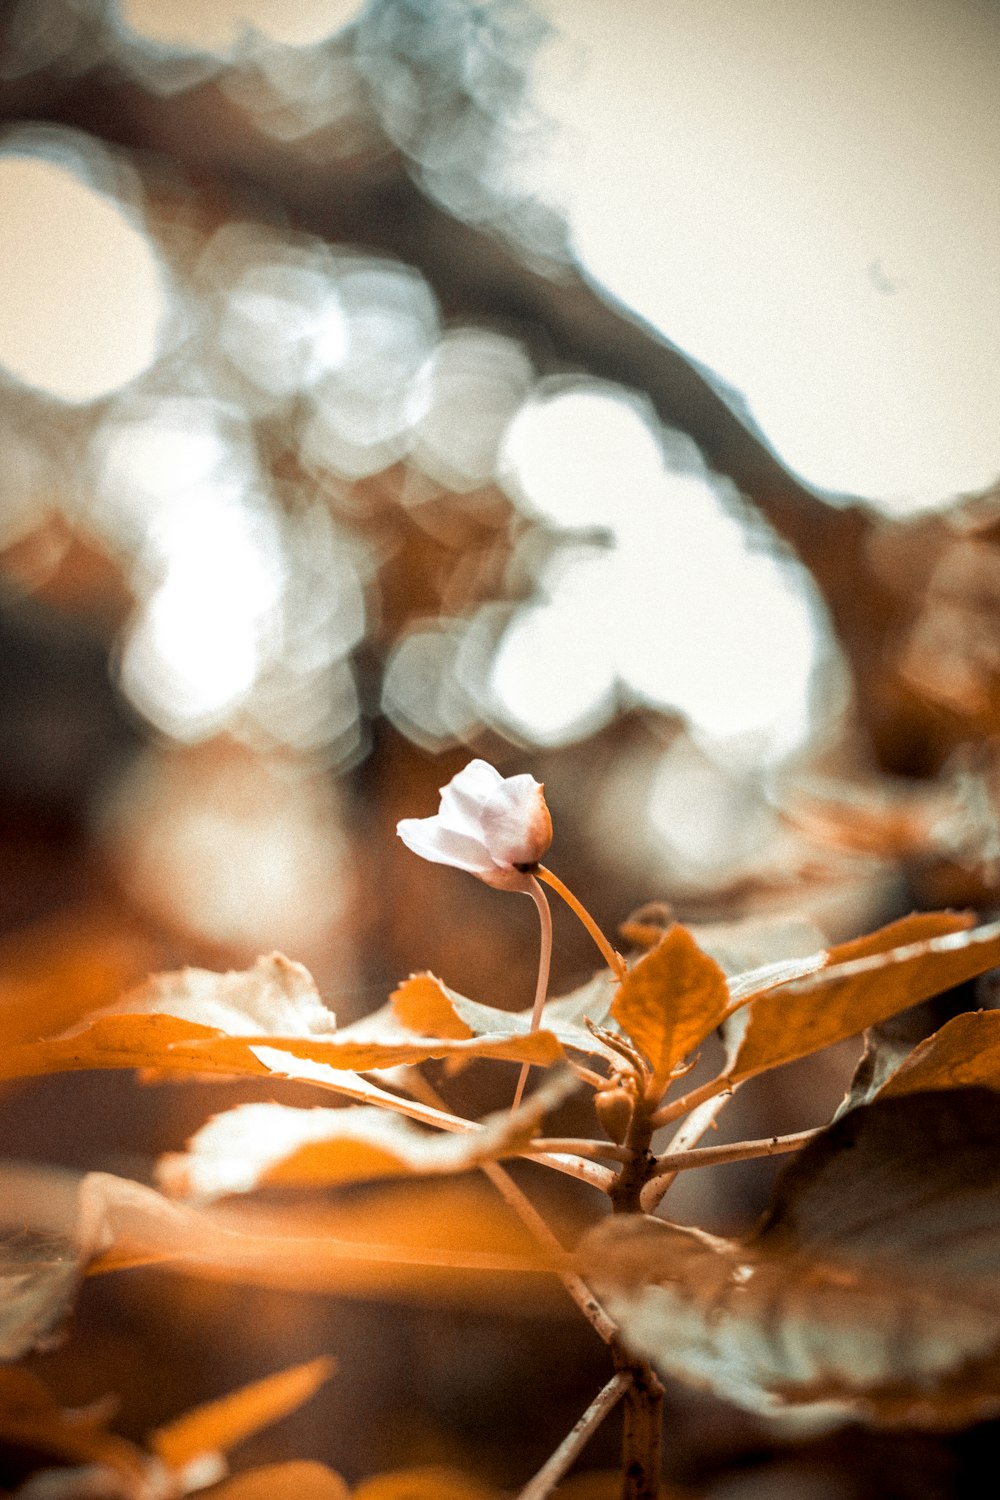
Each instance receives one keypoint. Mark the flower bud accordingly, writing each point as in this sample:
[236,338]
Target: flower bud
[614,1108]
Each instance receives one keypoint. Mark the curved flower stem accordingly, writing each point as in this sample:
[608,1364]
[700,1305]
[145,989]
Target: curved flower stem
[614,960]
[544,961]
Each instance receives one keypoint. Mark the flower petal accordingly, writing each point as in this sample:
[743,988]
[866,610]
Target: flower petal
[429,838]
[463,798]
[515,822]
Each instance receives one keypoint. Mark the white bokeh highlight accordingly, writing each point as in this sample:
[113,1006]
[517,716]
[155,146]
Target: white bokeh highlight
[671,596]
[85,295]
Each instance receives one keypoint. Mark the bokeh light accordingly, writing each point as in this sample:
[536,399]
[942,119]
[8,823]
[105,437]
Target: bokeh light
[85,293]
[222,27]
[679,601]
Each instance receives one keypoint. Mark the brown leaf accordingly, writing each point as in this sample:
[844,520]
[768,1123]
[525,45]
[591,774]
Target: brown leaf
[670,1000]
[429,1008]
[424,1241]
[31,1418]
[870,1290]
[842,999]
[423,1005]
[219,1425]
[171,1045]
[298,1480]
[916,928]
[965,1053]
[256,1144]
[276,997]
[430,1483]
[39,1276]
[134,1041]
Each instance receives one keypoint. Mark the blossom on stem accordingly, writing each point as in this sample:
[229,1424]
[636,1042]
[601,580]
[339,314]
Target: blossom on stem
[495,827]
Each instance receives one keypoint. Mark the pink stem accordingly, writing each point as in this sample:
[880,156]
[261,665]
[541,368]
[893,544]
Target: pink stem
[544,961]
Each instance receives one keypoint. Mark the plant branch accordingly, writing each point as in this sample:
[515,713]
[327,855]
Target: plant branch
[683,1106]
[544,964]
[603,1325]
[369,1093]
[574,1145]
[522,1206]
[553,1470]
[709,1156]
[614,960]
[642,1429]
[687,1136]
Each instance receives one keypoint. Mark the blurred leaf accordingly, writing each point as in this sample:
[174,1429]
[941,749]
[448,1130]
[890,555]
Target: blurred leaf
[297,1480]
[419,1241]
[646,926]
[58,970]
[39,1275]
[965,1053]
[219,1425]
[430,1483]
[32,1419]
[844,998]
[870,1290]
[670,1000]
[257,1144]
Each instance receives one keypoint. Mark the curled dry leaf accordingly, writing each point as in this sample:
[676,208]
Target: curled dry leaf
[194,1021]
[870,1290]
[275,998]
[965,1053]
[424,1006]
[257,1144]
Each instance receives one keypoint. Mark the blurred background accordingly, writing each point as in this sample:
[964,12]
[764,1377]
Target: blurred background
[609,391]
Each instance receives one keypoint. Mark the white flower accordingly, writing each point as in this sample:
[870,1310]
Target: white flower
[496,827]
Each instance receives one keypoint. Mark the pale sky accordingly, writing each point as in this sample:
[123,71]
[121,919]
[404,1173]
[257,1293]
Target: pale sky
[803,197]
